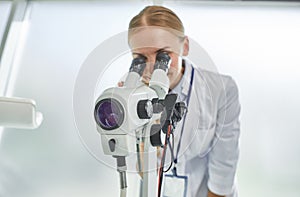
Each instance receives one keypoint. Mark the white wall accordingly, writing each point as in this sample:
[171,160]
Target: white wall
[258,46]
[5,7]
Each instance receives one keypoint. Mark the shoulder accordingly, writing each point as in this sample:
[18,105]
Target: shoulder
[214,79]
[221,89]
[215,82]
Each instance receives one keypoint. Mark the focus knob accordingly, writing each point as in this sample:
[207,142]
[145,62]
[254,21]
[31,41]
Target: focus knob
[145,109]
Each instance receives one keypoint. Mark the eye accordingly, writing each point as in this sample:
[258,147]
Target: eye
[164,51]
[135,55]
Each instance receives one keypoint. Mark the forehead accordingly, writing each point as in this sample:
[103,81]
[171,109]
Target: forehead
[153,38]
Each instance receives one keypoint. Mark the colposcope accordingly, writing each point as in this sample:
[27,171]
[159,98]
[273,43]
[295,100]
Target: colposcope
[127,115]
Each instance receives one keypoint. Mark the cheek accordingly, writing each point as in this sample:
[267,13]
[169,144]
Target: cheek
[173,71]
[174,67]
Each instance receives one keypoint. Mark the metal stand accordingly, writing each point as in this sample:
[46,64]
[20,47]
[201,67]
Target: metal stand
[149,178]
[121,167]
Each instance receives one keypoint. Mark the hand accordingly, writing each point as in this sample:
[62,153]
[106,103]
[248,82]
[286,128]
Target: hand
[120,83]
[210,194]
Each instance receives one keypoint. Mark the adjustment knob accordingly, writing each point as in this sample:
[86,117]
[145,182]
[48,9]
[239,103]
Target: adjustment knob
[145,109]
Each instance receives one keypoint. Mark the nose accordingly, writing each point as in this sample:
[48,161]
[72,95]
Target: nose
[148,69]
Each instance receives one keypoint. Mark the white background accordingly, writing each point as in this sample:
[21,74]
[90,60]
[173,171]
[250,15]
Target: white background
[258,45]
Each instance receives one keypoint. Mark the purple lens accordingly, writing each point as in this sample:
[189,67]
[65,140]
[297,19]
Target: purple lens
[109,114]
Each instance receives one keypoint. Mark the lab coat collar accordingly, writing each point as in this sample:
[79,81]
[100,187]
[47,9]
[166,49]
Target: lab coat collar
[186,79]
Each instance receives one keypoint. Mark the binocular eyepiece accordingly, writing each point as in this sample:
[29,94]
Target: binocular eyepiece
[139,63]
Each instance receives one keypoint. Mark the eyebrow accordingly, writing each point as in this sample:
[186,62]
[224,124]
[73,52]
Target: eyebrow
[163,49]
[167,48]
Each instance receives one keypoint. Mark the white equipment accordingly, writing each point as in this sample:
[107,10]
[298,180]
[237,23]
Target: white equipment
[127,115]
[19,113]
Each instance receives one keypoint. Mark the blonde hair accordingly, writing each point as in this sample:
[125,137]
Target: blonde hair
[157,16]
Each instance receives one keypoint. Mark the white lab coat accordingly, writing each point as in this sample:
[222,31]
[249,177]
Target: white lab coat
[210,142]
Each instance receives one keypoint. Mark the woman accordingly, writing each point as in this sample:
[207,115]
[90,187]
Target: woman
[206,143]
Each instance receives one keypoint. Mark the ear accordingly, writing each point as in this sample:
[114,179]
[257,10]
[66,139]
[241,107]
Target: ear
[186,46]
